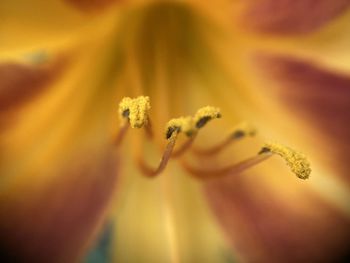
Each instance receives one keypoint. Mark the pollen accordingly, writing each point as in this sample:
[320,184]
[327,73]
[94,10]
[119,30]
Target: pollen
[206,114]
[243,129]
[182,124]
[297,162]
[135,111]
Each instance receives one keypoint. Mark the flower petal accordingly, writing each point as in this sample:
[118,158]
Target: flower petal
[319,98]
[91,5]
[328,46]
[19,83]
[57,166]
[292,16]
[28,26]
[278,220]
[55,221]
[175,224]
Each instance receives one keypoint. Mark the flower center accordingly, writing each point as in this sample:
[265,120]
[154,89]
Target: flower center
[134,113]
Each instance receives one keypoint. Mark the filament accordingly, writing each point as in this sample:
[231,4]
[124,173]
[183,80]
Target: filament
[149,129]
[184,147]
[241,131]
[121,135]
[202,173]
[151,172]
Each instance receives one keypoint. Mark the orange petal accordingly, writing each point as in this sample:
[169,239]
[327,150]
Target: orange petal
[285,223]
[318,97]
[92,5]
[54,218]
[30,26]
[292,16]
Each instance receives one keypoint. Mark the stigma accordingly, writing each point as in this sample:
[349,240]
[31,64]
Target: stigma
[134,113]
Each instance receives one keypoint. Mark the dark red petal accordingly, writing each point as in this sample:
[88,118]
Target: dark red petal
[92,5]
[265,227]
[20,83]
[54,219]
[292,16]
[319,97]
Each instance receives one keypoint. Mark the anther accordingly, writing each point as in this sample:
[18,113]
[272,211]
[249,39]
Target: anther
[243,129]
[182,124]
[204,115]
[191,126]
[297,162]
[135,111]
[173,128]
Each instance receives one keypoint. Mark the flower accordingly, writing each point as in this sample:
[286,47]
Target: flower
[67,165]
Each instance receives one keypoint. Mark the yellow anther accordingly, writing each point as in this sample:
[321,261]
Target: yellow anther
[298,163]
[206,114]
[243,129]
[135,111]
[182,124]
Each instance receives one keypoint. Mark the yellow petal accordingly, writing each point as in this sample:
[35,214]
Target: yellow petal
[165,220]
[28,26]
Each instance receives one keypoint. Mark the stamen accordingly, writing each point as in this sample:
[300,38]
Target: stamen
[148,128]
[121,134]
[239,132]
[243,129]
[192,125]
[148,171]
[206,114]
[182,124]
[298,162]
[135,111]
[173,128]
[237,168]
[184,147]
[185,125]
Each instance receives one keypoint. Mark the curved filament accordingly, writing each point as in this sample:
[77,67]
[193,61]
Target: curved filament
[184,147]
[151,172]
[201,173]
[121,135]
